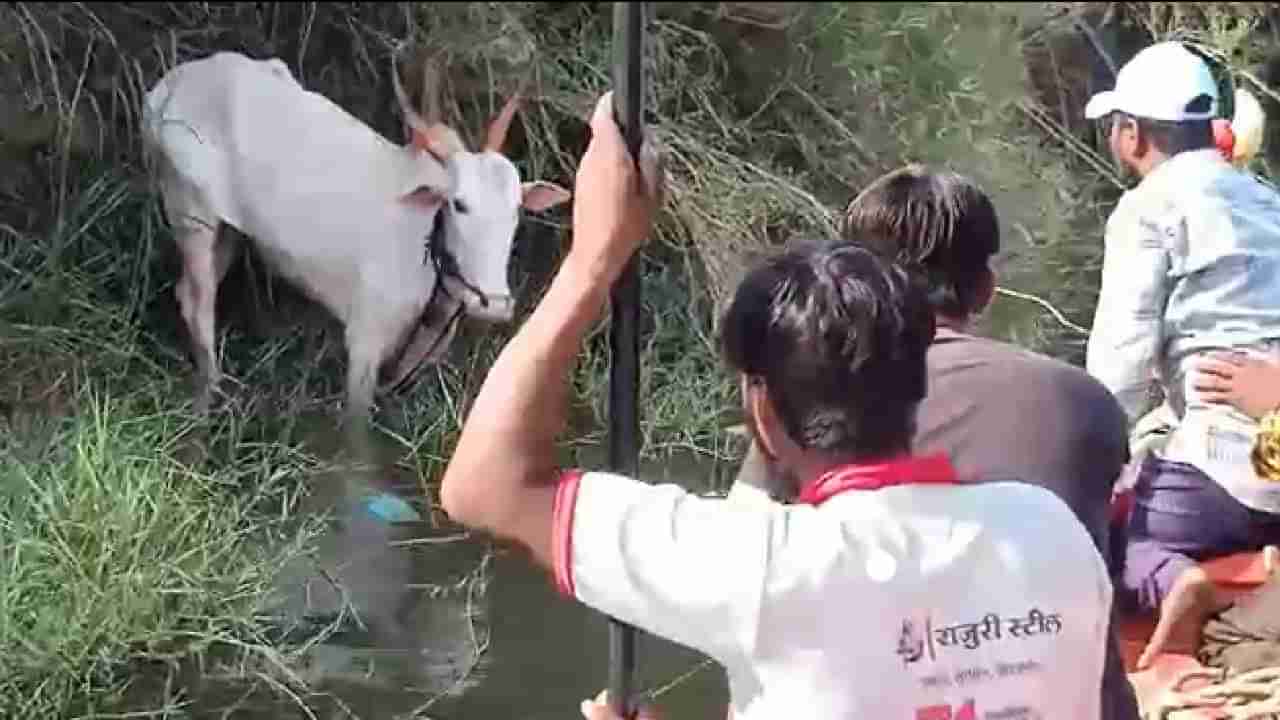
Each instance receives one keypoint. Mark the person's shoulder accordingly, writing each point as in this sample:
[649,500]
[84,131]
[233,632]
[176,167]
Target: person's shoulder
[1127,206]
[1013,492]
[619,482]
[1006,504]
[998,512]
[1038,365]
[614,492]
[1018,380]
[1001,498]
[1073,383]
[1240,192]
[1062,372]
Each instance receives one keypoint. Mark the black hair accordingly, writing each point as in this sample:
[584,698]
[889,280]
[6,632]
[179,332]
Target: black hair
[838,336]
[938,223]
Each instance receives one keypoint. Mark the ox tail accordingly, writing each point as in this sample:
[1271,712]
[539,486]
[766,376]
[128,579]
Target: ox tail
[154,161]
[154,104]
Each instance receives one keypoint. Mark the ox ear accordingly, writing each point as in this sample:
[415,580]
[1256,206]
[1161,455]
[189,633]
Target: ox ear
[541,195]
[426,197]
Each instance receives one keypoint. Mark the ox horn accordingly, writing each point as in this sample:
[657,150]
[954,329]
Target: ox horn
[496,136]
[429,133]
[402,98]
[431,94]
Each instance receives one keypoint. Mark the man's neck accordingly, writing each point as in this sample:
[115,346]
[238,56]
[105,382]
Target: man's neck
[813,465]
[1150,163]
[954,324]
[897,467]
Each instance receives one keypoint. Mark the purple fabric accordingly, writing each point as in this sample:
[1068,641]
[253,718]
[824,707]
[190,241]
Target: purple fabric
[1181,516]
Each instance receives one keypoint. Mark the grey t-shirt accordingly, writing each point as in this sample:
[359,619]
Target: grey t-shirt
[1004,413]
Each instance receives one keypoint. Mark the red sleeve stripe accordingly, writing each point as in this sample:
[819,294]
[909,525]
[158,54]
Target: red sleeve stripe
[562,530]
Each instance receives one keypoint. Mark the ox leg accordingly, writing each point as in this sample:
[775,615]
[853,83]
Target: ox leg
[197,293]
[224,253]
[363,356]
[362,369]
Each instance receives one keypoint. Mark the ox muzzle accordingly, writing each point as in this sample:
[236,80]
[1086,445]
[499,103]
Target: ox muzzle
[477,304]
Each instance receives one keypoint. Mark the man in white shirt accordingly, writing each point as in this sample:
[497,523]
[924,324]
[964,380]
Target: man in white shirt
[886,590]
[1192,265]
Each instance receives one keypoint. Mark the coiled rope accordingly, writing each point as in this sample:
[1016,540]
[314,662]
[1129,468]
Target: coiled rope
[1253,695]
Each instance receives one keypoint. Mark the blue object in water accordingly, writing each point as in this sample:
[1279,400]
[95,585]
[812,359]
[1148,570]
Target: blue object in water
[390,508]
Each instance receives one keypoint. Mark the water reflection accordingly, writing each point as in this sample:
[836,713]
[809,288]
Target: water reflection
[426,621]
[409,603]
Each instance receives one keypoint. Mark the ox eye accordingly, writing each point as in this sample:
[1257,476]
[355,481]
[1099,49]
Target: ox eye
[460,207]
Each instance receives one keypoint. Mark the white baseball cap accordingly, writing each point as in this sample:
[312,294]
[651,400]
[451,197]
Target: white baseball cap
[1158,84]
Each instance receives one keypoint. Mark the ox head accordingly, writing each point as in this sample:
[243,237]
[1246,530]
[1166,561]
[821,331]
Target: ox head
[480,214]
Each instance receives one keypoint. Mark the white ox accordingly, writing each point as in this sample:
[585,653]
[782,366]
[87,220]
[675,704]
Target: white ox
[397,241]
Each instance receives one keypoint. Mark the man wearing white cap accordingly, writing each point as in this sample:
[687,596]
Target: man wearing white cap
[1192,266]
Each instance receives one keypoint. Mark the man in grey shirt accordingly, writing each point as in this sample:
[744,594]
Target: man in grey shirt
[999,411]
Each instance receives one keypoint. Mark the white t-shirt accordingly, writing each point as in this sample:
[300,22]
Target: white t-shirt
[920,602]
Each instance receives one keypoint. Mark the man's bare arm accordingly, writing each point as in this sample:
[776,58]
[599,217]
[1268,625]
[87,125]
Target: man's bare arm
[502,475]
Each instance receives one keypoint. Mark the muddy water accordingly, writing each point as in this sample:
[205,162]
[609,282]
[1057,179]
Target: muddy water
[436,624]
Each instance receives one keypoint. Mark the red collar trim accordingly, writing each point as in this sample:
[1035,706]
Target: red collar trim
[933,469]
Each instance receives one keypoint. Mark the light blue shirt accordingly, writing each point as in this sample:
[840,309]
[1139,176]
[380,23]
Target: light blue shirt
[1191,265]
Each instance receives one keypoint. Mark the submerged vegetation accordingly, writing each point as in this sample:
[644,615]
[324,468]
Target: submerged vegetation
[131,533]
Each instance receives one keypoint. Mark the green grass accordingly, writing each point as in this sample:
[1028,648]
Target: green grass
[131,535]
[114,552]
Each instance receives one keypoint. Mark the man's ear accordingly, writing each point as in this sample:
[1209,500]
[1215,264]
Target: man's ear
[1140,140]
[768,427]
[540,195]
[985,290]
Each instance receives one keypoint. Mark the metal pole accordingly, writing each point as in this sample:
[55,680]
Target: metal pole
[624,341]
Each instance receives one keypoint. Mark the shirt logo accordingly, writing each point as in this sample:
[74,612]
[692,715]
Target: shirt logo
[968,711]
[911,643]
[947,712]
[915,642]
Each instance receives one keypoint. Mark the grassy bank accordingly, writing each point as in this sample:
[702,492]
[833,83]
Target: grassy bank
[132,536]
[115,553]
[130,533]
